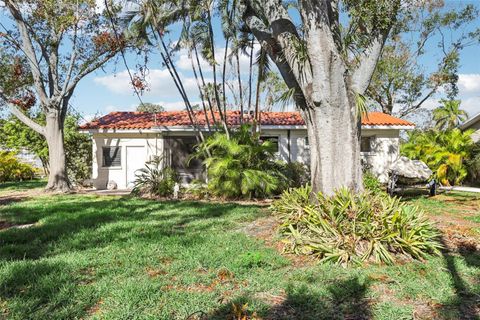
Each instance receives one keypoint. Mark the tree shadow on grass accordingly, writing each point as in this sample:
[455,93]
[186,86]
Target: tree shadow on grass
[104,221]
[41,289]
[345,299]
[466,303]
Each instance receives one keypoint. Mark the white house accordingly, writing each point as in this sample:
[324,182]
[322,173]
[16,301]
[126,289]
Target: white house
[124,141]
[473,123]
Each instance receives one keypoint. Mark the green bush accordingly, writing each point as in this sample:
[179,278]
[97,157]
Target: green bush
[447,153]
[13,170]
[241,166]
[371,182]
[349,227]
[156,180]
[296,173]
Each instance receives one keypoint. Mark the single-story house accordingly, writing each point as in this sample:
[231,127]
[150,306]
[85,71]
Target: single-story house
[473,123]
[124,141]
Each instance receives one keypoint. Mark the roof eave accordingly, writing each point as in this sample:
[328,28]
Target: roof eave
[160,129]
[470,121]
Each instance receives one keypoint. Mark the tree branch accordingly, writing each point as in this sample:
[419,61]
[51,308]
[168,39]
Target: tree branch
[368,61]
[29,51]
[26,120]
[88,67]
[274,49]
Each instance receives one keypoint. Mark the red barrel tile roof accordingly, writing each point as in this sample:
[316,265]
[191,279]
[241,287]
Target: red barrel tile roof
[145,120]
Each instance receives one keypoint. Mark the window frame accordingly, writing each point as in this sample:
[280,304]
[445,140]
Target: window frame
[371,140]
[264,138]
[103,157]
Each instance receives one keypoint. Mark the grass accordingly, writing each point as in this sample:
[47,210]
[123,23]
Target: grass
[95,257]
[23,185]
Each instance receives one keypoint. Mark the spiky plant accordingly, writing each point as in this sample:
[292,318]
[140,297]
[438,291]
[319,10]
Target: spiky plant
[155,179]
[352,228]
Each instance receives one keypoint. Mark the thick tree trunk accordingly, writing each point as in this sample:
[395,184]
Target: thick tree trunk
[334,138]
[58,178]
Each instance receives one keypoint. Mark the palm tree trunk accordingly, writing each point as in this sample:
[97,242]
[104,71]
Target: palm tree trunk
[214,70]
[240,89]
[250,78]
[210,105]
[200,90]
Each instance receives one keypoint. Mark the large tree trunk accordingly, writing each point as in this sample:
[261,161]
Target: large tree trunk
[334,138]
[58,178]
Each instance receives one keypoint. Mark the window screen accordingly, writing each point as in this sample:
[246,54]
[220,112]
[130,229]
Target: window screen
[273,140]
[366,144]
[112,156]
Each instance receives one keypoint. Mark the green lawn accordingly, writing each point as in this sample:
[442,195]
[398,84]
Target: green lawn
[23,185]
[124,258]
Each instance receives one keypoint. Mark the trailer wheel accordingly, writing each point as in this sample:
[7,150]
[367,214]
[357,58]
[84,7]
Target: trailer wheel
[392,182]
[433,188]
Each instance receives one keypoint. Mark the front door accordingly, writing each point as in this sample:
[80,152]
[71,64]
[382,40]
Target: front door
[136,157]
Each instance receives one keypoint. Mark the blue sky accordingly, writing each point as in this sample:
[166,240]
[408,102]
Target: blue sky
[110,90]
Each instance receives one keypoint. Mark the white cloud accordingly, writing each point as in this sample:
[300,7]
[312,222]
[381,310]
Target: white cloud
[469,83]
[471,105]
[183,61]
[160,85]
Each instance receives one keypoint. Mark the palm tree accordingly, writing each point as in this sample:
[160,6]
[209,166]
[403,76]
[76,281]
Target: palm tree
[449,115]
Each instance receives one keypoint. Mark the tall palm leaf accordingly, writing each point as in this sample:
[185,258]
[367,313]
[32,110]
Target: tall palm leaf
[449,115]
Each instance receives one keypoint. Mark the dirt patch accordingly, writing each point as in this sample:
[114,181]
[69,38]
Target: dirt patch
[266,229]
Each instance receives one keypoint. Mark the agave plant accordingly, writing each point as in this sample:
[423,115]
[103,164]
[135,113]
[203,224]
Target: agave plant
[155,179]
[350,227]
[241,166]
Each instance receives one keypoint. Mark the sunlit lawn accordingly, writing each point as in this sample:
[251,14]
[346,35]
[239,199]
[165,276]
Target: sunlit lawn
[123,258]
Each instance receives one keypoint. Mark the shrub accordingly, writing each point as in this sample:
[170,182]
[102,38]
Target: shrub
[296,174]
[155,179]
[371,182]
[447,153]
[351,227]
[241,166]
[13,170]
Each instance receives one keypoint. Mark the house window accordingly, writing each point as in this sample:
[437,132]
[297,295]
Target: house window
[366,144]
[273,140]
[112,156]
[307,143]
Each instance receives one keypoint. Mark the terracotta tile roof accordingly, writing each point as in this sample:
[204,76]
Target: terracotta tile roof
[383,119]
[144,120]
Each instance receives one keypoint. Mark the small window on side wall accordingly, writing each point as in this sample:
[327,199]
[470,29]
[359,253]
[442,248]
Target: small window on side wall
[273,140]
[112,156]
[366,144]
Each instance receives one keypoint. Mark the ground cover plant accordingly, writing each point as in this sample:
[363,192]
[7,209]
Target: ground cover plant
[352,228]
[98,257]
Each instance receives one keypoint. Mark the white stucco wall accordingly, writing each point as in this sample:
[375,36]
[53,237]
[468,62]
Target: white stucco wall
[385,149]
[292,147]
[152,143]
[476,134]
